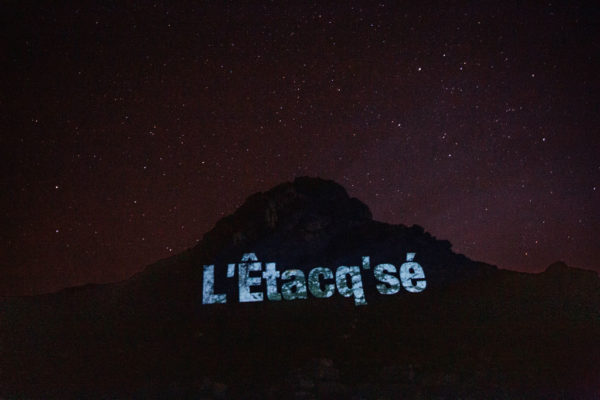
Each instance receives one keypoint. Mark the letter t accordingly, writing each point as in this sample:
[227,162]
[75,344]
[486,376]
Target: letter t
[271,274]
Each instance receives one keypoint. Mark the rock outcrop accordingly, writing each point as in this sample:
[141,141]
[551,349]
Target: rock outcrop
[475,332]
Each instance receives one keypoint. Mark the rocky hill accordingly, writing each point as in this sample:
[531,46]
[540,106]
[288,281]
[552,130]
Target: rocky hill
[342,312]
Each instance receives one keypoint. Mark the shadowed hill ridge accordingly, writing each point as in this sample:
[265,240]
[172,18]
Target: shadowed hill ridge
[474,332]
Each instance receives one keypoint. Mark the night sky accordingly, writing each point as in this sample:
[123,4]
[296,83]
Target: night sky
[129,130]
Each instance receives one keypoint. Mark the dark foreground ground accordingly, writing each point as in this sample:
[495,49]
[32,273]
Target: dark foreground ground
[506,336]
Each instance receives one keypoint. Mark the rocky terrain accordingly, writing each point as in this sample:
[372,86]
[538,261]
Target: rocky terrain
[475,332]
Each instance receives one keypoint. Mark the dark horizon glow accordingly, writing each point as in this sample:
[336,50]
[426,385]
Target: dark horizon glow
[129,131]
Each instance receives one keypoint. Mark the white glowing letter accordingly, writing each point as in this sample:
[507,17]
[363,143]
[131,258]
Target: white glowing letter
[314,282]
[296,288]
[246,281]
[412,275]
[389,283]
[271,274]
[208,287]
[356,286]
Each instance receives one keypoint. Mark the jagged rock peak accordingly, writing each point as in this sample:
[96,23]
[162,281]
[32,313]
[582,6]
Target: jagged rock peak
[561,269]
[557,267]
[307,204]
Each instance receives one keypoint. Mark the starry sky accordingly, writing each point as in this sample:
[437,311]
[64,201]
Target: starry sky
[131,128]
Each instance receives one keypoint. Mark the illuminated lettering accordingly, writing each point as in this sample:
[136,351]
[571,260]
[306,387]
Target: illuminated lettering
[314,282]
[246,281]
[321,282]
[296,288]
[271,274]
[412,275]
[355,288]
[208,287]
[385,273]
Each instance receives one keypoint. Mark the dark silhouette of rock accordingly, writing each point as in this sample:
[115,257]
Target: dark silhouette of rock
[474,332]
